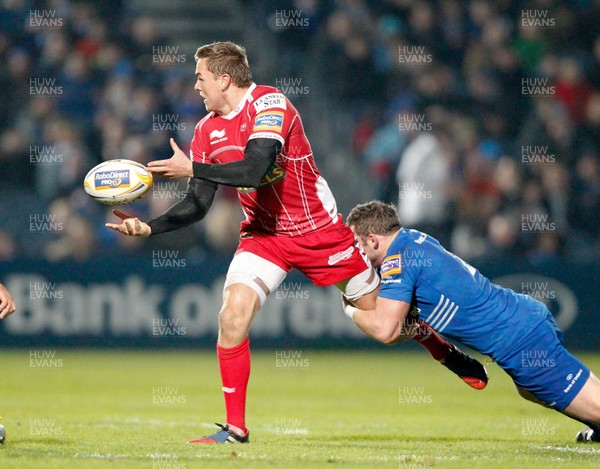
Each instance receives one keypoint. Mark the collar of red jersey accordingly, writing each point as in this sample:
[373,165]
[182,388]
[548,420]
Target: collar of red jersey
[240,106]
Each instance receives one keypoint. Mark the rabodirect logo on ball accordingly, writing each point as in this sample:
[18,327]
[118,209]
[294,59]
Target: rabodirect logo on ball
[111,179]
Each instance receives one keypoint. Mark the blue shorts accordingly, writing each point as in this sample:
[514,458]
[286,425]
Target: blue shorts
[543,366]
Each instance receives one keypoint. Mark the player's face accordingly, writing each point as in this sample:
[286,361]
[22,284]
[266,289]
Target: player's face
[207,84]
[369,248]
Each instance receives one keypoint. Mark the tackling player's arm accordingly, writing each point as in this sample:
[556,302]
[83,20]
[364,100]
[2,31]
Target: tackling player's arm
[383,323]
[191,208]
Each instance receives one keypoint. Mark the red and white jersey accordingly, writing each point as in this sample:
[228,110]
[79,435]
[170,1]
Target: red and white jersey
[293,198]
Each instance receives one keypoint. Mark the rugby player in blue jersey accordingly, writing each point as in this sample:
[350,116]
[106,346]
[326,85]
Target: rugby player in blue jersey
[420,278]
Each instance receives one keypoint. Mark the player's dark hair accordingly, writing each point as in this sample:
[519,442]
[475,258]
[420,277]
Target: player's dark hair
[227,57]
[374,217]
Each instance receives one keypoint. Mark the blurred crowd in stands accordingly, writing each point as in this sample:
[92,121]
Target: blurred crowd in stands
[479,118]
[85,82]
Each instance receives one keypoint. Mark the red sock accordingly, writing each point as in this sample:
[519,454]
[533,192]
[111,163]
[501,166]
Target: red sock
[428,338]
[235,371]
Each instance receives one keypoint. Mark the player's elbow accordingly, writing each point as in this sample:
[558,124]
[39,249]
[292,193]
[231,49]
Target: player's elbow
[254,176]
[389,339]
[259,172]
[388,334]
[254,181]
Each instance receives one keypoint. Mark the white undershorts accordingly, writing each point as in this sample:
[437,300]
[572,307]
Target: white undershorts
[247,267]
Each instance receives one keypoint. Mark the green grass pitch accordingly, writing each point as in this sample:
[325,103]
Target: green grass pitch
[307,408]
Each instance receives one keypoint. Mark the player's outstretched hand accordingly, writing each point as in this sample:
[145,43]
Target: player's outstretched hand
[131,226]
[178,166]
[7,304]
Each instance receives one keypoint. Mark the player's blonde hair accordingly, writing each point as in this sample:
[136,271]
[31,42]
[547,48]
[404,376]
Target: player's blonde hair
[375,217]
[227,57]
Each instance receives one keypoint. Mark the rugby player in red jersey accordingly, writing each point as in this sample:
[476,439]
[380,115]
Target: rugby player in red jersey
[252,138]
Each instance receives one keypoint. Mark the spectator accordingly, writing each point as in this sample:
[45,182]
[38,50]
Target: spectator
[422,175]
[572,89]
[464,63]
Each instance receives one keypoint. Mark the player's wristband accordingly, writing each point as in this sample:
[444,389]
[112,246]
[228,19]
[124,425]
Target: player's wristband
[349,310]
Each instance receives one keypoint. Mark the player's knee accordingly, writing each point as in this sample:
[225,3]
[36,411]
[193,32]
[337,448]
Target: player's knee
[234,317]
[530,397]
[594,392]
[588,413]
[594,411]
[239,305]
[526,394]
[234,325]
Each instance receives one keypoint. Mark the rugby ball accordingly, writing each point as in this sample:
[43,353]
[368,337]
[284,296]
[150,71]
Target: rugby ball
[116,182]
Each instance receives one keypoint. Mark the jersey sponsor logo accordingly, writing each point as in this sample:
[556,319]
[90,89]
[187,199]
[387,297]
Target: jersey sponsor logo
[391,265]
[421,238]
[274,135]
[414,309]
[274,174]
[111,179]
[270,101]
[391,280]
[272,121]
[341,256]
[572,380]
[217,136]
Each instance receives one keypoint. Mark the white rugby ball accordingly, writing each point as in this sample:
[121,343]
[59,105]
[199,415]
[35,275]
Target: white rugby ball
[116,182]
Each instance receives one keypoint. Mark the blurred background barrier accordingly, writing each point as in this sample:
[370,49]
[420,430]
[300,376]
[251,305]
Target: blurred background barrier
[166,301]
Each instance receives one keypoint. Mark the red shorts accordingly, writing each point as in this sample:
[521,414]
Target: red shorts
[326,256]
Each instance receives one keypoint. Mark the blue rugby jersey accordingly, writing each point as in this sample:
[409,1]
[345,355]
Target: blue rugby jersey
[454,298]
